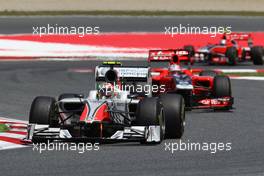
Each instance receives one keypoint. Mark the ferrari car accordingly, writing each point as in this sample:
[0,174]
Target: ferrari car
[111,112]
[232,49]
[200,89]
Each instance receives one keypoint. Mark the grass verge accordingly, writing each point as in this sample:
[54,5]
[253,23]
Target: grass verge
[132,13]
[3,128]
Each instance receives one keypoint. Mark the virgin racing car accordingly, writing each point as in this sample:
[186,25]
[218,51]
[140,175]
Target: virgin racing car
[206,90]
[232,49]
[108,113]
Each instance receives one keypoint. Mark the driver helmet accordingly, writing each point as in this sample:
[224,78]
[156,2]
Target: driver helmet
[223,42]
[106,90]
[174,68]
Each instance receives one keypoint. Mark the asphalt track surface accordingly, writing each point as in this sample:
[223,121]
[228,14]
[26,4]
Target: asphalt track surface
[243,127]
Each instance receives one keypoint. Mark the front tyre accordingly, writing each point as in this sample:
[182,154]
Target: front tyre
[150,113]
[231,54]
[173,108]
[257,55]
[221,87]
[43,111]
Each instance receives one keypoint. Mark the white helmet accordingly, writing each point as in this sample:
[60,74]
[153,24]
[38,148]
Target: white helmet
[174,68]
[106,90]
[223,42]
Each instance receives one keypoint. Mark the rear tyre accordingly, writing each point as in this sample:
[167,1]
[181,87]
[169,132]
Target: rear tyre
[190,49]
[149,112]
[43,111]
[231,54]
[222,87]
[257,55]
[208,73]
[173,107]
[209,59]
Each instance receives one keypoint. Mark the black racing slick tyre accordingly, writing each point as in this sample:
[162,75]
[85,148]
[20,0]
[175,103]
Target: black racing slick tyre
[190,49]
[208,73]
[173,109]
[257,55]
[149,112]
[42,111]
[222,87]
[209,59]
[231,54]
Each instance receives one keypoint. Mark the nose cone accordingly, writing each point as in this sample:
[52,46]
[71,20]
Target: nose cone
[95,111]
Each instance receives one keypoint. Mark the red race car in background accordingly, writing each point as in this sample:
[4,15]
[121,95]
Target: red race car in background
[232,49]
[200,89]
[173,55]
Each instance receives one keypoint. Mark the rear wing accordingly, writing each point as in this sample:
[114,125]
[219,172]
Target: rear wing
[170,55]
[237,36]
[122,73]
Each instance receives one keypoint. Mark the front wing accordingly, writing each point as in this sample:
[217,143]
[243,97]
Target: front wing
[214,103]
[149,134]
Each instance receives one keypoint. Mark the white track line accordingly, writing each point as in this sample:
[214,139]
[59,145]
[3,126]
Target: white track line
[12,135]
[10,145]
[254,78]
[237,70]
[7,145]
[4,119]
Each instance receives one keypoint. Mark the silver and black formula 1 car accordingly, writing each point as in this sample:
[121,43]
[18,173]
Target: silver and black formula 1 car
[115,111]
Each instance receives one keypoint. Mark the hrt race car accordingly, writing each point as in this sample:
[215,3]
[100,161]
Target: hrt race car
[232,49]
[110,112]
[206,90]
